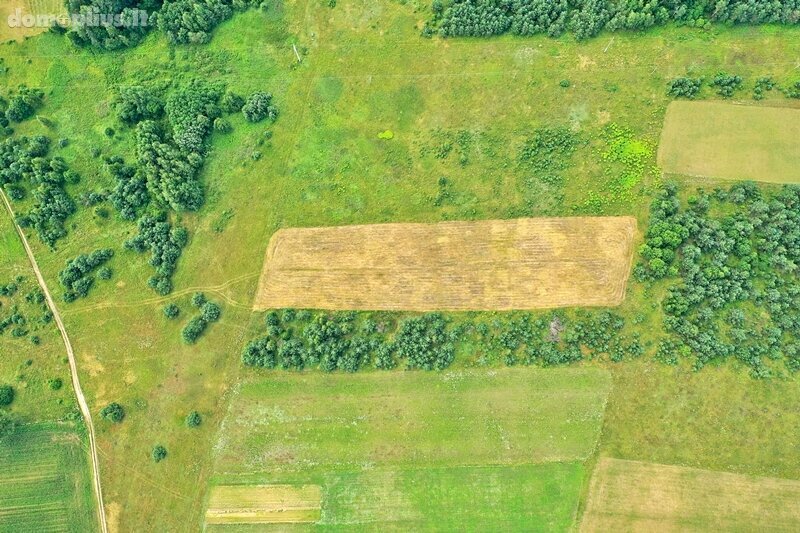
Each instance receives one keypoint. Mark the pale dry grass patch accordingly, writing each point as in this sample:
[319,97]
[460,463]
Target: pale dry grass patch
[264,504]
[528,263]
[640,496]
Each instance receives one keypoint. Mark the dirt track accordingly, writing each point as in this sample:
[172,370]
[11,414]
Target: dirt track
[73,367]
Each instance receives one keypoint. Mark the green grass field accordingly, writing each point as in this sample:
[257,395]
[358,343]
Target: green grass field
[44,481]
[365,70]
[730,141]
[399,451]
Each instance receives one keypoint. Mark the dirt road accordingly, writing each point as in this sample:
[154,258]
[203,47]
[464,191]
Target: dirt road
[76,384]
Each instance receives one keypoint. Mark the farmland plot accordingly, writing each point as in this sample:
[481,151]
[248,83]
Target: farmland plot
[44,482]
[510,264]
[638,496]
[729,141]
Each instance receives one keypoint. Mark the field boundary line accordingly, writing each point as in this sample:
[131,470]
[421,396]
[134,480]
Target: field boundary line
[76,384]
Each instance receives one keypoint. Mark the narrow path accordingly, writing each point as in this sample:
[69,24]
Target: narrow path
[76,384]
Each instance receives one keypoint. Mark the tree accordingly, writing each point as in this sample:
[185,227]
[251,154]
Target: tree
[193,419]
[192,331]
[259,106]
[159,453]
[113,412]
[210,312]
[8,425]
[6,395]
[171,311]
[137,103]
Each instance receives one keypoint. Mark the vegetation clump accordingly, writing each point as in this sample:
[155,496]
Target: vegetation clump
[259,106]
[685,87]
[726,84]
[76,277]
[113,412]
[209,312]
[159,453]
[193,419]
[6,395]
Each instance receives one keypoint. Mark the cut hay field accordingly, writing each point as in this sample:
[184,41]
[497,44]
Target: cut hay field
[637,496]
[264,504]
[731,141]
[44,481]
[499,264]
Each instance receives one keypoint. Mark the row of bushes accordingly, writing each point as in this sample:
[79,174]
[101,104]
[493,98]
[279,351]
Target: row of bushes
[349,341]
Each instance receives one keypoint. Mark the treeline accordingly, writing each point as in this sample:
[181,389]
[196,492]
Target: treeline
[587,18]
[349,341]
[731,257]
[183,21]
[23,166]
[726,85]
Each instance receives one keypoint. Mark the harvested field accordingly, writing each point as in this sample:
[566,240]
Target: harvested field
[529,263]
[729,141]
[638,496]
[264,504]
[12,11]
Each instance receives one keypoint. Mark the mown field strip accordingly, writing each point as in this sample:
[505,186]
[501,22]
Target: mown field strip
[287,422]
[264,504]
[500,264]
[639,496]
[731,141]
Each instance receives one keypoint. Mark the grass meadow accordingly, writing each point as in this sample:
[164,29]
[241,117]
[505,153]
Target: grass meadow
[365,70]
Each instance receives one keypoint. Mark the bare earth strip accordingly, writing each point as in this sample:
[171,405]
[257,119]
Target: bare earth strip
[639,496]
[730,141]
[528,263]
[264,504]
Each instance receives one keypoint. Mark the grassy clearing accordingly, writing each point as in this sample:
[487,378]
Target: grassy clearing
[512,264]
[637,496]
[264,504]
[716,419]
[288,422]
[44,481]
[730,141]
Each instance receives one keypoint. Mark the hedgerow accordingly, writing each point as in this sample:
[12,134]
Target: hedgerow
[209,312]
[165,243]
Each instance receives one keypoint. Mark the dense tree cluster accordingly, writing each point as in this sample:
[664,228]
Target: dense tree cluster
[130,194]
[727,253]
[23,104]
[129,28]
[587,18]
[684,87]
[209,313]
[23,163]
[137,103]
[76,278]
[259,106]
[726,84]
[183,21]
[165,243]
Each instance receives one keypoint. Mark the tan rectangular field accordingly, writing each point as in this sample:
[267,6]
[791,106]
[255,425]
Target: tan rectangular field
[638,496]
[528,263]
[264,504]
[730,141]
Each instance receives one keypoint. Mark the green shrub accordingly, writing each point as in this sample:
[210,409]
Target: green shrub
[113,412]
[171,311]
[159,453]
[6,395]
[193,419]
